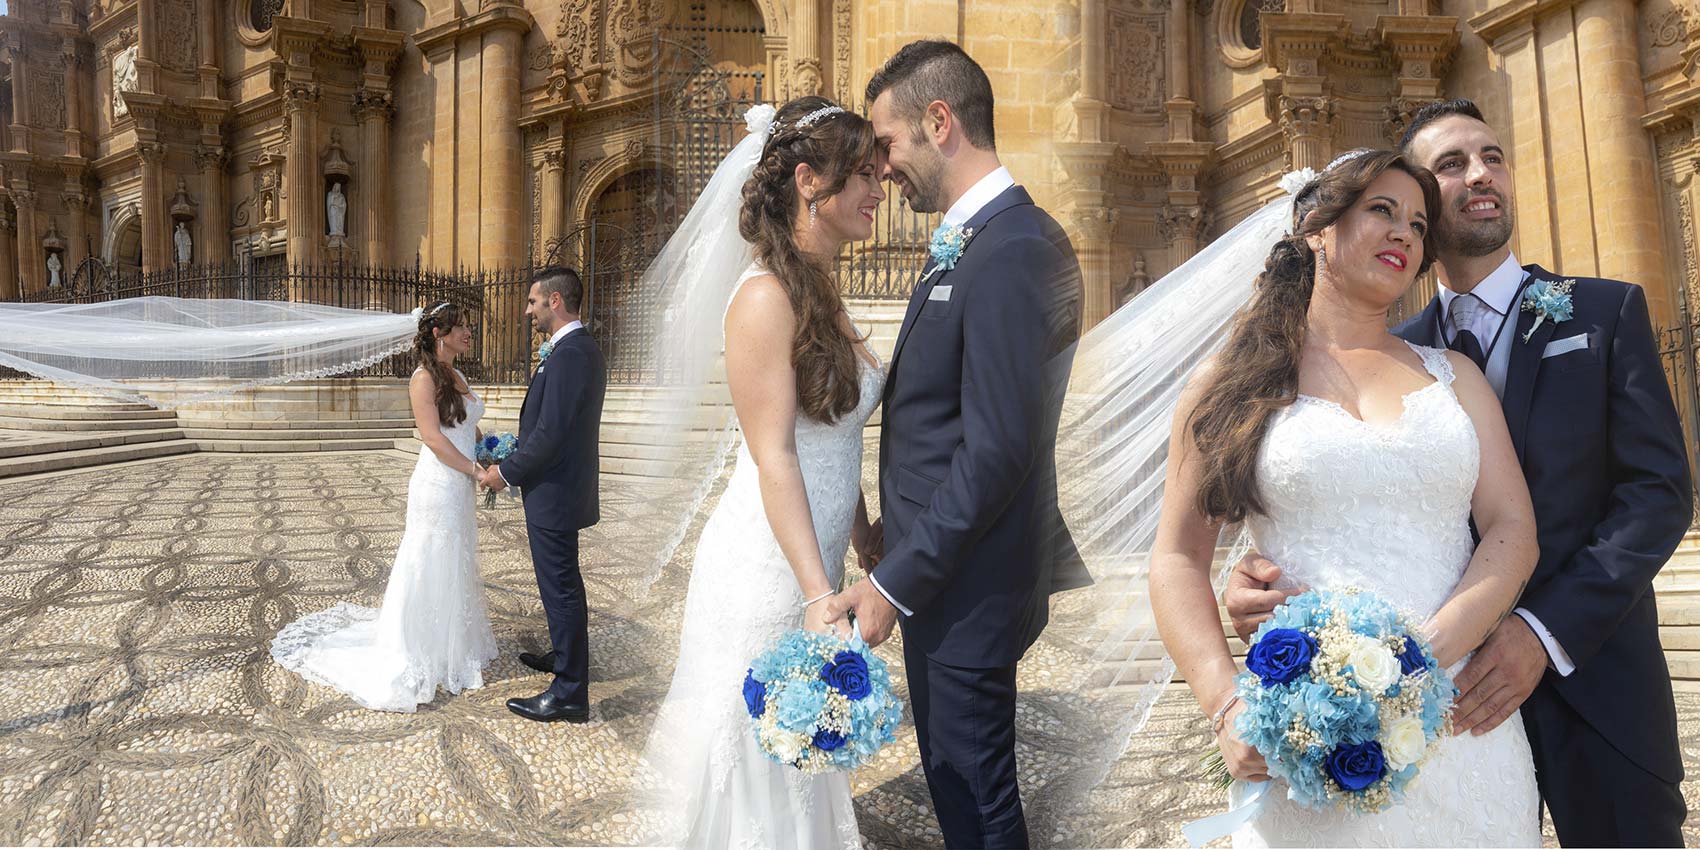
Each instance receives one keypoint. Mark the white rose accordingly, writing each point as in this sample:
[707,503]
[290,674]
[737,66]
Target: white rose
[1373,665]
[1403,742]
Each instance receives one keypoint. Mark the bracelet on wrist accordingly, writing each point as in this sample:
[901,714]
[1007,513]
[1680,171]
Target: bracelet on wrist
[1221,715]
[818,598]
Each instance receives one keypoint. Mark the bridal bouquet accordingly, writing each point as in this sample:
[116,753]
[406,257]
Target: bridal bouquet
[1343,699]
[495,448]
[820,703]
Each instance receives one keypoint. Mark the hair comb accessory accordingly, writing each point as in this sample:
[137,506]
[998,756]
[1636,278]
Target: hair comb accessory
[438,309]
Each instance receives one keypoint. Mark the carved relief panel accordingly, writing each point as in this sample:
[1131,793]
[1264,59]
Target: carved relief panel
[177,35]
[47,92]
[1137,62]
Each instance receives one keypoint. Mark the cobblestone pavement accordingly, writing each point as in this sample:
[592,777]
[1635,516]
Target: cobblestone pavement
[139,704]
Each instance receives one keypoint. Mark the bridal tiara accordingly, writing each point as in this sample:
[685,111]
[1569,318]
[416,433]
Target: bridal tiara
[759,119]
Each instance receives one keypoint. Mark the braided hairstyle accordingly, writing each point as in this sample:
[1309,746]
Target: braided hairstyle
[451,407]
[834,145]
[1260,361]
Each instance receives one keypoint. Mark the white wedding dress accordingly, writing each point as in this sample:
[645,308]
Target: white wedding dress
[742,597]
[432,630]
[1386,508]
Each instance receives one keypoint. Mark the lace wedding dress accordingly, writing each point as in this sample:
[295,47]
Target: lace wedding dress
[1386,508]
[742,597]
[432,629]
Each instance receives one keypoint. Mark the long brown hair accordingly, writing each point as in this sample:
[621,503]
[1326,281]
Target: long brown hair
[451,407]
[828,377]
[1258,370]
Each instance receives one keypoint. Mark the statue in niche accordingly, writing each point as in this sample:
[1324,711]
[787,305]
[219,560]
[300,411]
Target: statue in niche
[54,267]
[268,210]
[123,79]
[336,210]
[185,245]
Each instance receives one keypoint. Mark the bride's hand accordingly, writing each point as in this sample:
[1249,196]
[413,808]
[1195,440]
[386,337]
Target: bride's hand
[869,543]
[1243,760]
[814,618]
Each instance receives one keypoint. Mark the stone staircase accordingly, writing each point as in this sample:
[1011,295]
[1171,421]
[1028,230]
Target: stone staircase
[1678,594]
[71,429]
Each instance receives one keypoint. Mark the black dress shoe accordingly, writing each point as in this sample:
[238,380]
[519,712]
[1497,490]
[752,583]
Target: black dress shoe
[548,708]
[544,663]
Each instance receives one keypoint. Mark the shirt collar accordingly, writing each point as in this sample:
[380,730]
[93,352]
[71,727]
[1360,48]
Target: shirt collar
[978,196]
[565,329]
[1497,290]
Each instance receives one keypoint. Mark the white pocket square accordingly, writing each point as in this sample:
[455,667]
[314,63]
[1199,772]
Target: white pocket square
[939,293]
[1564,346]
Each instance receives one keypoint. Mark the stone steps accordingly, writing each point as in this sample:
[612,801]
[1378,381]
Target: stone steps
[46,414]
[248,446]
[81,458]
[83,441]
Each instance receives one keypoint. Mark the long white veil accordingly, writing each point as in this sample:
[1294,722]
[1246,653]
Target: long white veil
[168,352]
[1112,452]
[691,412]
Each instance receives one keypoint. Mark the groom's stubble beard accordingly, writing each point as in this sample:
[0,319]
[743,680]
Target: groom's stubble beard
[925,177]
[1460,237]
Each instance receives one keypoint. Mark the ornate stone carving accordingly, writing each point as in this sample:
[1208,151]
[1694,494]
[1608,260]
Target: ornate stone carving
[540,57]
[182,206]
[1137,66]
[1305,116]
[631,28]
[300,96]
[211,158]
[373,103]
[47,97]
[555,160]
[807,80]
[1175,222]
[183,243]
[8,220]
[123,79]
[841,49]
[1669,28]
[25,198]
[1685,231]
[634,149]
[1396,116]
[177,35]
[336,211]
[152,153]
[1136,282]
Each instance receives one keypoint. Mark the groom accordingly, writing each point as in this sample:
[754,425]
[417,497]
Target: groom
[975,544]
[555,468]
[1601,447]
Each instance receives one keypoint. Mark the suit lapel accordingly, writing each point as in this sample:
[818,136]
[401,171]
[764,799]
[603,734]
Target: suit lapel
[1426,330]
[1525,364]
[535,375]
[930,276]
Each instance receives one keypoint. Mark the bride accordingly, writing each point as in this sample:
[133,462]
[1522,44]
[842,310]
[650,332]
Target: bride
[1354,460]
[803,384]
[432,629]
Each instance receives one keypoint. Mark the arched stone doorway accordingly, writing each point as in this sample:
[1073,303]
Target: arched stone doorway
[627,225]
[124,242]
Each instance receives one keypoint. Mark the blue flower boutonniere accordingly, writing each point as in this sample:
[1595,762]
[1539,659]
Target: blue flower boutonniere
[1548,301]
[543,352]
[947,245]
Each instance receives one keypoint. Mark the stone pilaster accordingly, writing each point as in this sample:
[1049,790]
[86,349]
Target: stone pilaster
[213,241]
[30,259]
[8,256]
[373,108]
[155,220]
[554,198]
[301,173]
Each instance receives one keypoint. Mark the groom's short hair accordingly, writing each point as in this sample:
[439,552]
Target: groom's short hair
[564,280]
[1434,112]
[928,70]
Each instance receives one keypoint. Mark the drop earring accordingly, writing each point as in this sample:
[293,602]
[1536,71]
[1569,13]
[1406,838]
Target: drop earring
[811,213]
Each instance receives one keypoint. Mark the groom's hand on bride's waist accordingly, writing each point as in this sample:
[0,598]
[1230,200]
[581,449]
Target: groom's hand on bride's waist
[874,614]
[1248,597]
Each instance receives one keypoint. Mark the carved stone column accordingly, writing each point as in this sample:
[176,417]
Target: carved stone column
[1308,124]
[76,223]
[8,256]
[301,173]
[554,198]
[73,99]
[33,273]
[373,109]
[1096,226]
[501,236]
[807,78]
[155,221]
[207,47]
[1183,218]
[1295,44]
[20,98]
[1182,226]
[214,237]
[1421,46]
[1621,175]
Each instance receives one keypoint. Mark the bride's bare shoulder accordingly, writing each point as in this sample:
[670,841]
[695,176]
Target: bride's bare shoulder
[760,301]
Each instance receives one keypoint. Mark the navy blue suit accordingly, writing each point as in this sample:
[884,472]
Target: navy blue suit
[1602,448]
[975,543]
[556,469]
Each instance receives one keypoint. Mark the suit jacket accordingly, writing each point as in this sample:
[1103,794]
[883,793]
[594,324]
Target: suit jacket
[968,492]
[1602,448]
[557,463]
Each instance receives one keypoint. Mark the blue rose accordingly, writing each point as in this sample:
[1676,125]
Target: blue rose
[492,441]
[848,674]
[1411,659]
[1355,767]
[1281,656]
[826,740]
[755,694]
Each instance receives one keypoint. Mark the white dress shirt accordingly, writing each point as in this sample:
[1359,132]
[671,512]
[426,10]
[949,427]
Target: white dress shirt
[554,339]
[966,207]
[1497,326]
